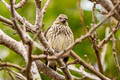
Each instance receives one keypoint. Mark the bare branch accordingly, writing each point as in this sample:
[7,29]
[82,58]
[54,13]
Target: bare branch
[19,30]
[10,23]
[19,48]
[93,13]
[17,74]
[108,5]
[21,4]
[14,45]
[83,72]
[40,14]
[29,26]
[81,18]
[88,66]
[11,76]
[65,69]
[7,64]
[104,41]
[114,50]
[38,57]
[6,21]
[49,72]
[34,71]
[24,39]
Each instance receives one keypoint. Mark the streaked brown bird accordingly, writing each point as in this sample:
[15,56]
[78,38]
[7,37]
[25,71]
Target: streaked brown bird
[59,36]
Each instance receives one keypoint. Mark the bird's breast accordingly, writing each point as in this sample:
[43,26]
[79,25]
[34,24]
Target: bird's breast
[60,39]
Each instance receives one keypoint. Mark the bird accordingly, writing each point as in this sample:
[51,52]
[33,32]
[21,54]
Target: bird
[59,36]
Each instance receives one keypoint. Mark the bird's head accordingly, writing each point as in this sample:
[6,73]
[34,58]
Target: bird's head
[61,19]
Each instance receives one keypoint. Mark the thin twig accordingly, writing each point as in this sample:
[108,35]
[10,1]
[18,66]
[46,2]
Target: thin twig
[114,51]
[100,66]
[39,19]
[73,62]
[93,13]
[83,72]
[106,39]
[19,30]
[11,76]
[38,13]
[7,64]
[21,4]
[6,21]
[81,18]
[17,74]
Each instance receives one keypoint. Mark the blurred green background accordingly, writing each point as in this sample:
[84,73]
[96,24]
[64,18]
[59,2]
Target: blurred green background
[71,9]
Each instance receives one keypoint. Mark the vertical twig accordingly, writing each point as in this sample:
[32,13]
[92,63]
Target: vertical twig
[114,50]
[81,18]
[21,4]
[98,59]
[19,30]
[94,38]
[38,10]
[39,19]
[93,13]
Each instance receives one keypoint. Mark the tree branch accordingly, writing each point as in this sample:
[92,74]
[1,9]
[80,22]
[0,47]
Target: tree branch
[21,4]
[88,66]
[49,72]
[7,64]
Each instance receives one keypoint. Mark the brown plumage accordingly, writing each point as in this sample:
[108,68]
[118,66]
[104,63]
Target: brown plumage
[59,37]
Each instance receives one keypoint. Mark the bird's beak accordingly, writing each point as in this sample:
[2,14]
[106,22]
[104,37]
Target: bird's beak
[63,20]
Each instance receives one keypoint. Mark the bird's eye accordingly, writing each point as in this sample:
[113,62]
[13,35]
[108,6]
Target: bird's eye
[60,17]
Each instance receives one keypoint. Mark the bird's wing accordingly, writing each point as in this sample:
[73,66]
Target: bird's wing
[45,33]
